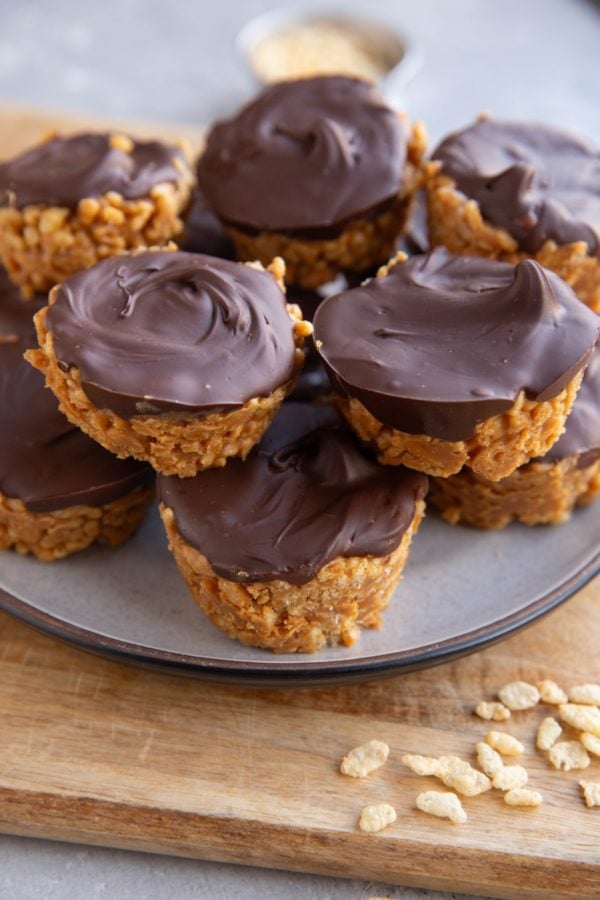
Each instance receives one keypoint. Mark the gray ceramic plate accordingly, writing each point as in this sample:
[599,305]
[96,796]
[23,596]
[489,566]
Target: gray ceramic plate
[462,589]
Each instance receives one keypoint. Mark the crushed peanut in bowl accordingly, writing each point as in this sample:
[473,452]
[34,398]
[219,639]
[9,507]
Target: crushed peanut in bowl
[284,44]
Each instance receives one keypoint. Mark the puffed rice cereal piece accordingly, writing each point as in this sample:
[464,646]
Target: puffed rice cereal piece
[421,765]
[510,778]
[550,692]
[363,760]
[569,755]
[444,805]
[519,695]
[591,792]
[590,742]
[504,743]
[583,718]
[489,760]
[493,711]
[585,693]
[460,775]
[548,733]
[523,797]
[376,817]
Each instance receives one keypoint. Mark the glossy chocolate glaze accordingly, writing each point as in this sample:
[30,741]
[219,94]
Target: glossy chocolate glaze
[64,170]
[307,154]
[45,461]
[537,182]
[444,342]
[581,436]
[173,332]
[304,496]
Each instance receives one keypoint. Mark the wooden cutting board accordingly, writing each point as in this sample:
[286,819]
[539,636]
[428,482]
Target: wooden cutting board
[101,753]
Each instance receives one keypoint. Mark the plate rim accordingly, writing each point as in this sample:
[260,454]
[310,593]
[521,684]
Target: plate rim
[257,673]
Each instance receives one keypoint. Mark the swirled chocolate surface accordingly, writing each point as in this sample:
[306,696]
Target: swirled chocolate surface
[581,436]
[45,461]
[444,342]
[64,170]
[307,154]
[173,332]
[537,182]
[306,495]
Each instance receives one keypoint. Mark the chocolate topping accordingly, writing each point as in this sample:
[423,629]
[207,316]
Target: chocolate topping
[64,170]
[16,314]
[44,460]
[444,342]
[581,436]
[538,183]
[204,232]
[308,154]
[180,332]
[416,237]
[303,497]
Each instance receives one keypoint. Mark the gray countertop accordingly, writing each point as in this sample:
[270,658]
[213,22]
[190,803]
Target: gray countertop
[146,59]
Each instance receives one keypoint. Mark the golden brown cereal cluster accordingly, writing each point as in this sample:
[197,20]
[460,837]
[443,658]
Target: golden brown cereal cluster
[42,245]
[363,244]
[498,446]
[456,222]
[54,535]
[174,444]
[537,493]
[345,594]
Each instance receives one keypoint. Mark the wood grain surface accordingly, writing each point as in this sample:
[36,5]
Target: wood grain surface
[102,753]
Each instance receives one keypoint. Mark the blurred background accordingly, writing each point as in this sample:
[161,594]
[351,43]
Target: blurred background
[178,61]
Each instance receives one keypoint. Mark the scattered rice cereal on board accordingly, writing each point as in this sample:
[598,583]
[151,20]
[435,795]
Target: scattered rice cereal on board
[492,711]
[550,692]
[365,759]
[585,693]
[517,695]
[460,775]
[590,742]
[376,817]
[583,718]
[504,743]
[569,755]
[548,734]
[421,765]
[444,805]
[510,778]
[523,797]
[591,792]
[489,760]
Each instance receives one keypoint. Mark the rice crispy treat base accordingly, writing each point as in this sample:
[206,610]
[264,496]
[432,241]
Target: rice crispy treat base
[42,245]
[456,223]
[173,443]
[345,594]
[364,243]
[537,493]
[54,535]
[498,446]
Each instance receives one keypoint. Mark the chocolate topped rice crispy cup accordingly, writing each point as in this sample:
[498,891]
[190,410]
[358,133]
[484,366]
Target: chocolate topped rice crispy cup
[512,191]
[71,201]
[175,358]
